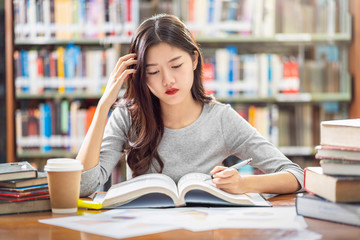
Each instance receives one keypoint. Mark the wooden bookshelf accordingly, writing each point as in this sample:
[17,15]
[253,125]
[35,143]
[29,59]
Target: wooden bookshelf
[10,97]
[354,59]
[278,43]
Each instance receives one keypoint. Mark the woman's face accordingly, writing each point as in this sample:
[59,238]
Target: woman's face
[170,73]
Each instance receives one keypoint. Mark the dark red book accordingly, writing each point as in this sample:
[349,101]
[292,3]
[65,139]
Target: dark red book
[27,198]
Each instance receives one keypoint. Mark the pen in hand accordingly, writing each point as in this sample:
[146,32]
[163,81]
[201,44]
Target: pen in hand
[236,166]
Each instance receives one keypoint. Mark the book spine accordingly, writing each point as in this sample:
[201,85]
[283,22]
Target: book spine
[45,111]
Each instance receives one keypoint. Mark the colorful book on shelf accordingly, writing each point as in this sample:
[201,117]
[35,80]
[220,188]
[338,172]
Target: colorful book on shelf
[71,59]
[233,63]
[89,116]
[39,180]
[332,188]
[342,133]
[63,17]
[64,116]
[24,68]
[309,205]
[291,77]
[45,120]
[61,68]
[159,190]
[17,170]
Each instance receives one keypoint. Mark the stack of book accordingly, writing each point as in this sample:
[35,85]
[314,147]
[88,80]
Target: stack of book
[22,189]
[339,152]
[333,188]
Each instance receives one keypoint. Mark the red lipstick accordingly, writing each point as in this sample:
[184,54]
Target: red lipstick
[172,91]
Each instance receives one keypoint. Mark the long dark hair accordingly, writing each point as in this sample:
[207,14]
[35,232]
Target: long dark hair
[147,127]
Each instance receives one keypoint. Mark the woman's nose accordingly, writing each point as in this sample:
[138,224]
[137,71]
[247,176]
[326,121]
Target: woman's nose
[167,79]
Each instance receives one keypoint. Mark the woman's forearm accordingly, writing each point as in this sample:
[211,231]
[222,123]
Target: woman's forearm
[89,152]
[280,183]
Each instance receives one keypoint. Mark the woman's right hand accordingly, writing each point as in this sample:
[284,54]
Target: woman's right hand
[117,77]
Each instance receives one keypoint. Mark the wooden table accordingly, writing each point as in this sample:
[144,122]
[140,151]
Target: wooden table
[26,227]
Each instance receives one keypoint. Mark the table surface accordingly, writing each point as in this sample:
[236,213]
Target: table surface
[26,226]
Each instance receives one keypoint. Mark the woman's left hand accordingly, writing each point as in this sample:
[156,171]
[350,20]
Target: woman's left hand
[229,181]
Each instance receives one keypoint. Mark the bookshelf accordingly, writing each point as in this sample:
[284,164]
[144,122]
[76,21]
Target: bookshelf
[354,59]
[8,83]
[2,87]
[63,53]
[287,116]
[291,115]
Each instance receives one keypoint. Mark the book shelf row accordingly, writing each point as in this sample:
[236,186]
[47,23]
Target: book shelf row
[262,17]
[73,69]
[67,19]
[57,125]
[287,125]
[229,74]
[60,125]
[282,65]
[65,69]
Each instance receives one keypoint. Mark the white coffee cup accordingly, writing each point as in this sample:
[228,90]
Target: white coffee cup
[64,176]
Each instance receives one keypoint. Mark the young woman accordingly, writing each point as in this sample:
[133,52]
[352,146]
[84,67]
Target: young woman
[166,123]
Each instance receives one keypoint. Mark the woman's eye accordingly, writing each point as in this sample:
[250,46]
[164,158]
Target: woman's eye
[177,66]
[152,73]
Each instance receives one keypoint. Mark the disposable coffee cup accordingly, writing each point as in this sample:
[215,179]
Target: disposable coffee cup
[64,176]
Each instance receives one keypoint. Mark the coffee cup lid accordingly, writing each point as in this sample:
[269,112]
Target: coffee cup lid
[63,164]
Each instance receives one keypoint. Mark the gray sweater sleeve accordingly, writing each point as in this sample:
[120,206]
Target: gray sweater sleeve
[110,152]
[244,141]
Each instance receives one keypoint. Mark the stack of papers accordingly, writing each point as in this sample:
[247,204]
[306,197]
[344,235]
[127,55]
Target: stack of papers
[123,223]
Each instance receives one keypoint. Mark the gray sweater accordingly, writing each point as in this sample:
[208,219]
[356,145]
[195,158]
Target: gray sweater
[218,133]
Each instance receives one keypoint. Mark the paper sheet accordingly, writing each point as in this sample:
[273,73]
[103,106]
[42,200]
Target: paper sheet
[115,223]
[122,223]
[201,219]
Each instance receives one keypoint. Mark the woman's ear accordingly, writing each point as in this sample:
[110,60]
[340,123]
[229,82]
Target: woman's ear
[195,58]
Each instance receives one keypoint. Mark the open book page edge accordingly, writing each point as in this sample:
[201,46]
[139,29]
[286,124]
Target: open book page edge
[253,199]
[149,183]
[203,182]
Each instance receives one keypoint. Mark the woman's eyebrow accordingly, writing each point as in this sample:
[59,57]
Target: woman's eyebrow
[174,59]
[155,64]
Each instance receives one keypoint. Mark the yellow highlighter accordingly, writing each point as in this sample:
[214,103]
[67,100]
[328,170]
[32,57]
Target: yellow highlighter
[89,204]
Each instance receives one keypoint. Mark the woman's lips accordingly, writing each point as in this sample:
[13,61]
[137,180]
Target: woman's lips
[172,91]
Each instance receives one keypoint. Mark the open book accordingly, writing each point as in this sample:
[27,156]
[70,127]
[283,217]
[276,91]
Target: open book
[159,190]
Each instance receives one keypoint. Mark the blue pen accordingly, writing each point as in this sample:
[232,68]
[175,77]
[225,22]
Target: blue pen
[237,166]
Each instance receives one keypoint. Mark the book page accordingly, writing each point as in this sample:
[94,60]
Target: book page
[191,184]
[145,184]
[193,178]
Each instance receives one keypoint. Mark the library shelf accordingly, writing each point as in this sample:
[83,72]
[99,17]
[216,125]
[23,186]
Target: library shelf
[298,46]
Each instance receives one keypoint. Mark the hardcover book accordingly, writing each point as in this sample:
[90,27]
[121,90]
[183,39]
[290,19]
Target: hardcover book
[159,190]
[343,133]
[309,205]
[17,170]
[336,152]
[340,167]
[8,207]
[39,180]
[332,188]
